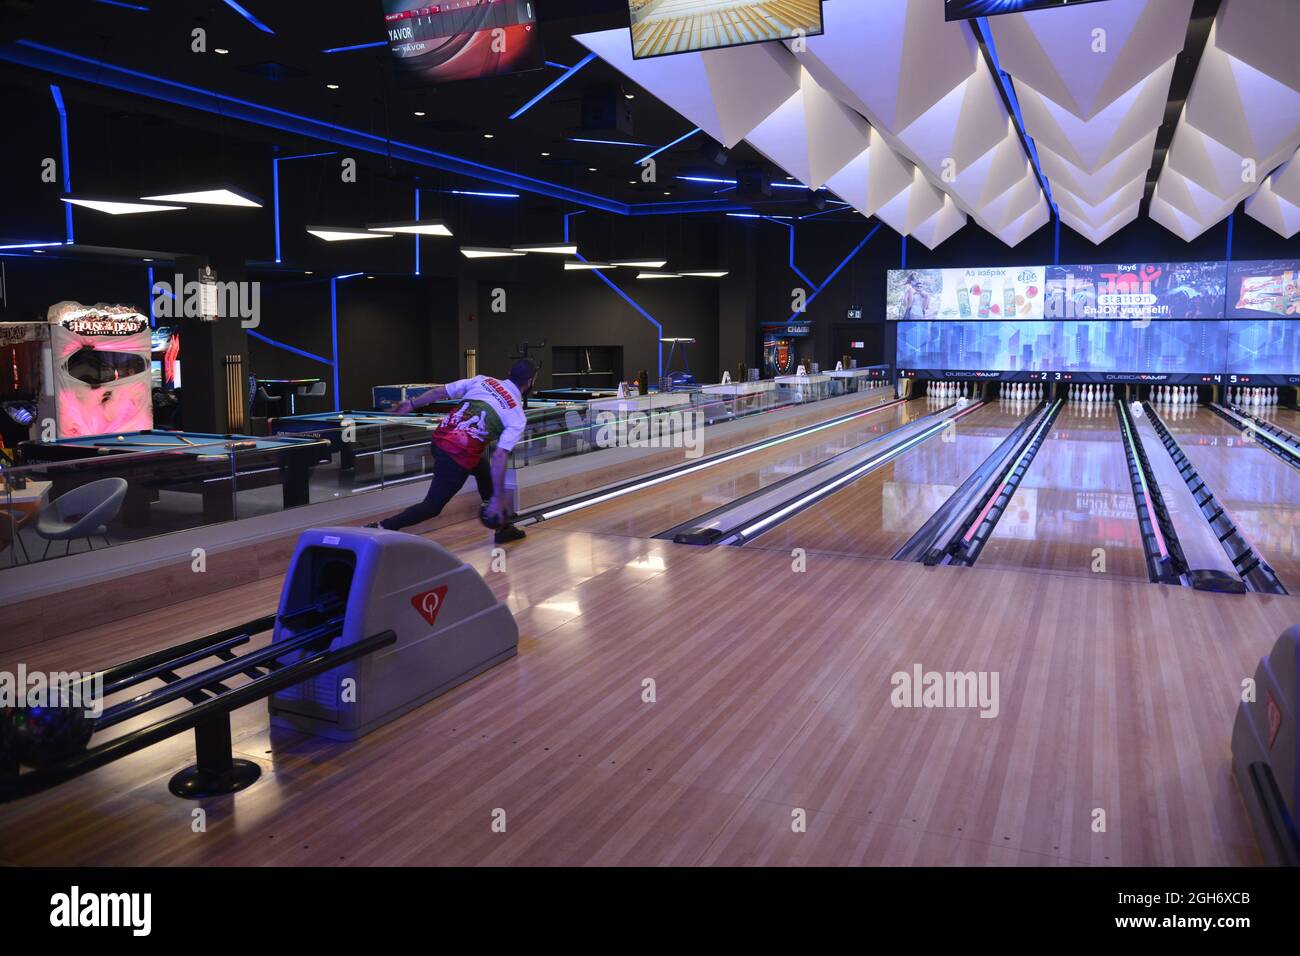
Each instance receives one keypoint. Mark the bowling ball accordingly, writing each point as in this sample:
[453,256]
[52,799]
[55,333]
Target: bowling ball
[44,736]
[496,524]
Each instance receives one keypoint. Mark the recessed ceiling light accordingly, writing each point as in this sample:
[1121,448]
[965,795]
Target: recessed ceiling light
[591,169]
[345,234]
[147,260]
[369,277]
[668,192]
[546,154]
[560,248]
[221,50]
[640,263]
[658,275]
[486,252]
[423,227]
[331,86]
[574,265]
[117,207]
[704,274]
[419,112]
[309,273]
[629,96]
[487,135]
[223,196]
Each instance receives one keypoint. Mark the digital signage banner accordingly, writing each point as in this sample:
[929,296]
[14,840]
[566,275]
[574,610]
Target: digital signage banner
[988,293]
[462,39]
[1135,291]
[1263,289]
[1162,348]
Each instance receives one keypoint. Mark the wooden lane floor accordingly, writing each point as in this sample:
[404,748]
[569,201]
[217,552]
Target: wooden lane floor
[1259,490]
[656,509]
[1074,512]
[1287,418]
[875,515]
[771,695]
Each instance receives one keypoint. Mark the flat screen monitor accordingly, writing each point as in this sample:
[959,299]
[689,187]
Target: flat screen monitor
[462,39]
[664,27]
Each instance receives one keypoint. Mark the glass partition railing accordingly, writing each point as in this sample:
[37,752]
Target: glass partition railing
[81,494]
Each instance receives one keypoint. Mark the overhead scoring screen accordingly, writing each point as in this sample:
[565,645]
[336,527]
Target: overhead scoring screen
[662,27]
[462,39]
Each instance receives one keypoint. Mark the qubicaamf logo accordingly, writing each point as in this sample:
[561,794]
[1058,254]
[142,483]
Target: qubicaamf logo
[77,909]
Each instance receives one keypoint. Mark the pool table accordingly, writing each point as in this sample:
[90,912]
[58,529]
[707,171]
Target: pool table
[197,462]
[376,433]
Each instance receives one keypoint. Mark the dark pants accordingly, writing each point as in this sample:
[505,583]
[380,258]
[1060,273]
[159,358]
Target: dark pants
[448,479]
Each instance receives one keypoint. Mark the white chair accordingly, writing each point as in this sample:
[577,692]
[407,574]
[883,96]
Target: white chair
[80,513]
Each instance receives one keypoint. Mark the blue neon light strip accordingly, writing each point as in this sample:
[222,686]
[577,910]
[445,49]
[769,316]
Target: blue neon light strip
[981,26]
[249,17]
[33,245]
[1228,254]
[417,235]
[67,163]
[289,348]
[621,294]
[124,6]
[153,321]
[275,188]
[558,66]
[830,278]
[481,195]
[355,46]
[334,334]
[101,73]
[679,139]
[550,87]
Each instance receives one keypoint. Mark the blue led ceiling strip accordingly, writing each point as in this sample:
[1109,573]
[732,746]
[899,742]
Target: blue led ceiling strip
[830,278]
[275,189]
[124,6]
[40,57]
[659,329]
[981,27]
[355,46]
[67,165]
[248,16]
[667,146]
[550,87]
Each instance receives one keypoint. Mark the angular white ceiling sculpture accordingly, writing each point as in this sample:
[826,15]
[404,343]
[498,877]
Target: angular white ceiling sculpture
[1241,121]
[1277,202]
[812,135]
[1093,84]
[724,92]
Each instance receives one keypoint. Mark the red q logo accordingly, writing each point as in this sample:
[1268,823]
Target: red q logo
[429,603]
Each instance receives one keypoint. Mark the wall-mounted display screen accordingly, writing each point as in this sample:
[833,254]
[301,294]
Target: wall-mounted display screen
[1263,289]
[663,27]
[462,39]
[980,293]
[1165,348]
[1135,291]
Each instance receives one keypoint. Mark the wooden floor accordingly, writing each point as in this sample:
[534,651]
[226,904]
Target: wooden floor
[772,694]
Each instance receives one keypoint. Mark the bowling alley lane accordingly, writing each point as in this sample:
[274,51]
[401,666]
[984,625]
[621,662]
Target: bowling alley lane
[875,515]
[1287,418]
[658,508]
[1075,498]
[1259,490]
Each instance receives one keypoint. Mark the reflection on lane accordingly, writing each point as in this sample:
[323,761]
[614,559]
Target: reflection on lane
[1074,512]
[1260,491]
[875,515]
[660,507]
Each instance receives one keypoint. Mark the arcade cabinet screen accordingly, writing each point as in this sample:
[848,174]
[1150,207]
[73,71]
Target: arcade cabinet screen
[462,39]
[663,27]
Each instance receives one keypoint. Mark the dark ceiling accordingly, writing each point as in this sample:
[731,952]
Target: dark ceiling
[288,70]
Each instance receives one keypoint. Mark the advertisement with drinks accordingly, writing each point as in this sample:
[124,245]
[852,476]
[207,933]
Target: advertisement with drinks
[977,293]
